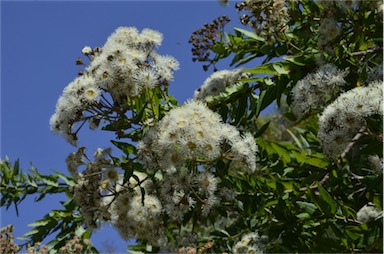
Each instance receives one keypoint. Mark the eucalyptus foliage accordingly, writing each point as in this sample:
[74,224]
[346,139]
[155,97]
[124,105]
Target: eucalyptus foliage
[299,197]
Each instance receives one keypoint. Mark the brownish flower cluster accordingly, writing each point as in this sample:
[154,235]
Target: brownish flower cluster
[192,250]
[76,245]
[204,39]
[7,246]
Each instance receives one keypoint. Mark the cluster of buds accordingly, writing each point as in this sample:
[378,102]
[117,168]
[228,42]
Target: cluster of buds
[37,248]
[204,39]
[268,18]
[76,245]
[193,250]
[6,240]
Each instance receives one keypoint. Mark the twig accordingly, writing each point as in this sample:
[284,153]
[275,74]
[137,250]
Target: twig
[364,52]
[351,144]
[312,186]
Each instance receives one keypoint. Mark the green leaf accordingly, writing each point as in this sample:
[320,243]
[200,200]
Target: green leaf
[68,180]
[327,198]
[323,201]
[16,168]
[317,160]
[260,102]
[281,151]
[280,69]
[250,34]
[303,216]
[262,129]
[307,207]
[127,148]
[219,48]
[39,223]
[31,181]
[49,180]
[298,143]
[353,232]
[266,69]
[246,59]
[295,59]
[137,248]
[221,233]
[80,231]
[121,124]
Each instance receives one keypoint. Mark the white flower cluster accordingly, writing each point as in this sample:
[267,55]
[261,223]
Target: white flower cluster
[249,243]
[343,118]
[367,213]
[126,66]
[135,214]
[316,89]
[375,73]
[376,163]
[128,63]
[141,215]
[218,81]
[137,208]
[87,50]
[193,132]
[81,94]
[102,195]
[343,4]
[182,192]
[328,31]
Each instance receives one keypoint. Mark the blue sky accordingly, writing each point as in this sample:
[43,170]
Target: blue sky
[40,41]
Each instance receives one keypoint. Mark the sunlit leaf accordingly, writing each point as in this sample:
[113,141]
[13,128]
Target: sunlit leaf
[250,34]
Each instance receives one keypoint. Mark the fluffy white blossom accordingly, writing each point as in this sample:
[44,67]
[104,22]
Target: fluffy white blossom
[86,50]
[249,243]
[329,29]
[194,132]
[111,175]
[136,214]
[375,73]
[342,119]
[316,89]
[218,81]
[207,182]
[152,37]
[126,66]
[367,213]
[376,163]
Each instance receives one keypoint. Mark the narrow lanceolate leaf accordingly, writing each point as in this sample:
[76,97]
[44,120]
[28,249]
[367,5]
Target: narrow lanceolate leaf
[262,129]
[49,180]
[327,198]
[250,34]
[66,179]
[280,69]
[307,207]
[324,201]
[127,148]
[266,69]
[32,232]
[38,223]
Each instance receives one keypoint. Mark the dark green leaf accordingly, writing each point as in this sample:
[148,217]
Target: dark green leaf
[262,129]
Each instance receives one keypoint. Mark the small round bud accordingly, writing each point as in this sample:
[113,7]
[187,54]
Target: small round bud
[86,50]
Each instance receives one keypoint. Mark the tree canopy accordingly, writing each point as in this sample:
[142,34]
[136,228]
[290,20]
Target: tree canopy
[216,174]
